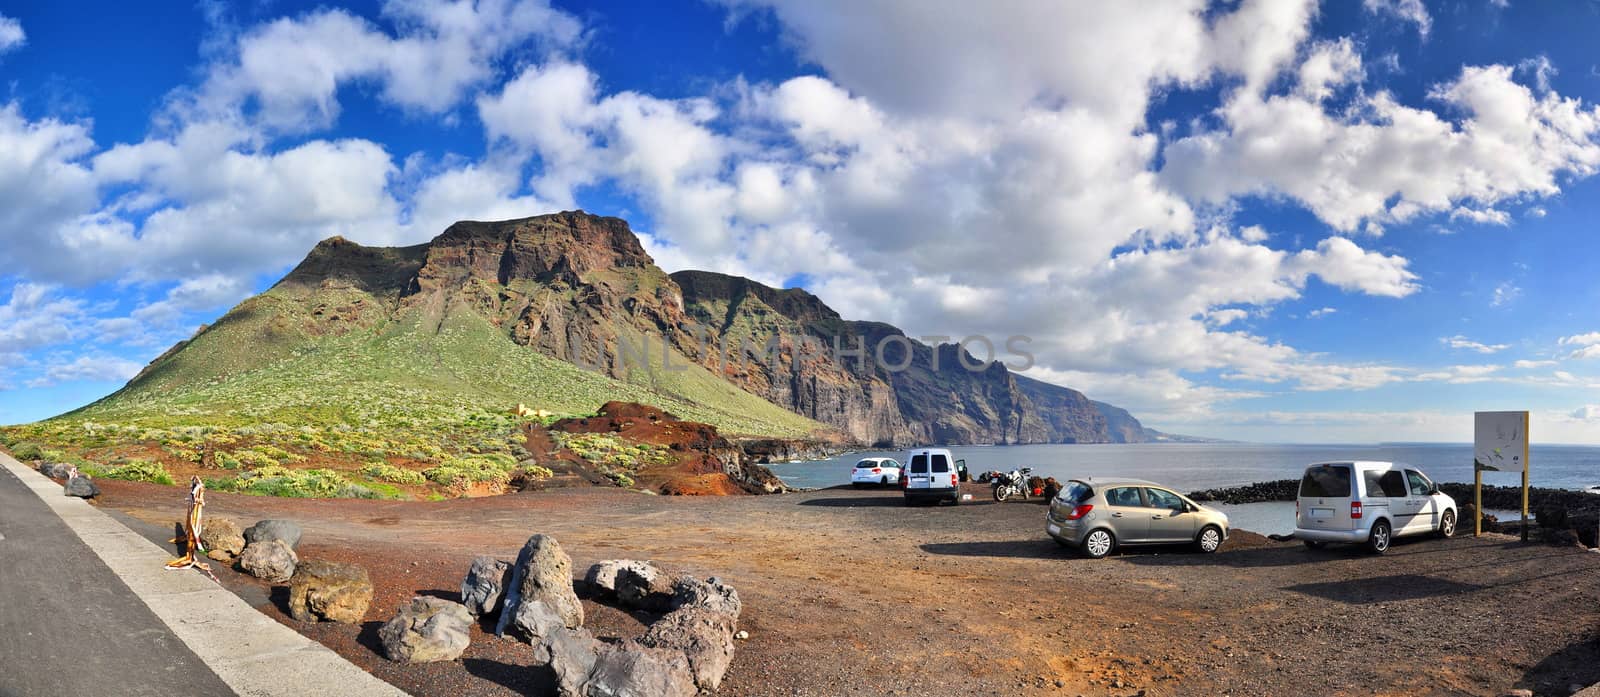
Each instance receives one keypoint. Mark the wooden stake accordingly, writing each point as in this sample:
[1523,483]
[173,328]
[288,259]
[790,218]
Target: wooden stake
[1477,499]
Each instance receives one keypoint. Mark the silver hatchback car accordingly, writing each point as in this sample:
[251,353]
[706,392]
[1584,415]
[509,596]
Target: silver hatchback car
[1098,515]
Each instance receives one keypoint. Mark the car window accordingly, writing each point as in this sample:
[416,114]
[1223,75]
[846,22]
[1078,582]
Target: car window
[892,463]
[1076,492]
[866,464]
[1393,483]
[919,464]
[1326,481]
[1124,496]
[1370,479]
[941,464]
[1160,498]
[1419,483]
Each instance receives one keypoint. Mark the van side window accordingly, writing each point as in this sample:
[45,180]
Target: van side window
[1371,479]
[1394,484]
[941,464]
[1419,483]
[919,464]
[1124,496]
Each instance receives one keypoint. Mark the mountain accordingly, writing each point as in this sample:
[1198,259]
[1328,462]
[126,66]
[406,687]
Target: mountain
[565,312]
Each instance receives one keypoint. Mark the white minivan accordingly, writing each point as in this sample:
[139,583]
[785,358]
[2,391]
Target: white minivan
[1369,503]
[932,474]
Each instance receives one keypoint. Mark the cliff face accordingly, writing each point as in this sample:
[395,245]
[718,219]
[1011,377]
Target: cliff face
[581,288]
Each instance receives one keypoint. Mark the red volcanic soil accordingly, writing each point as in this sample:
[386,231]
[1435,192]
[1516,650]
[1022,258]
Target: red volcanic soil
[850,592]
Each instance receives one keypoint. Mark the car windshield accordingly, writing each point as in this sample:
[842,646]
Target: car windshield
[867,464]
[1326,481]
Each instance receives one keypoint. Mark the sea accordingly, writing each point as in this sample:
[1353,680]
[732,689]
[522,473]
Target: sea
[1194,466]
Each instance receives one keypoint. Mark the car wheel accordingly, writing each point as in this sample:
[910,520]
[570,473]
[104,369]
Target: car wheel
[1378,540]
[1447,525]
[1314,544]
[1209,540]
[884,481]
[1098,543]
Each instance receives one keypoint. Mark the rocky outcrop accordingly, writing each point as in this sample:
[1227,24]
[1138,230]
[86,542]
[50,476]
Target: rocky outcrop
[427,630]
[483,589]
[698,459]
[540,597]
[332,591]
[222,539]
[286,531]
[272,561]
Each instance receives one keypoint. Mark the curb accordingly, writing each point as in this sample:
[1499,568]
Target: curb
[252,653]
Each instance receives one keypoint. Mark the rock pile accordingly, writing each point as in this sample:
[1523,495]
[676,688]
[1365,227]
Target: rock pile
[685,652]
[1259,492]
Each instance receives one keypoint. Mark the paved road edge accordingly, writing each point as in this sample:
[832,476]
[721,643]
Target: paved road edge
[253,654]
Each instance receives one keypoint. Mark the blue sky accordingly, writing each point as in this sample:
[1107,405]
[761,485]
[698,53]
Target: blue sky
[1273,221]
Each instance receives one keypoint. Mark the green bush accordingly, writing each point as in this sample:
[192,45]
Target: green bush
[27,451]
[393,474]
[277,480]
[134,471]
[459,471]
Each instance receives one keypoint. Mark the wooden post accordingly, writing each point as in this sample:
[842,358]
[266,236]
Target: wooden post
[1477,500]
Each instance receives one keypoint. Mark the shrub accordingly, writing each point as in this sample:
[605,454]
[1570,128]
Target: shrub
[393,474]
[460,471]
[27,451]
[135,471]
[277,480]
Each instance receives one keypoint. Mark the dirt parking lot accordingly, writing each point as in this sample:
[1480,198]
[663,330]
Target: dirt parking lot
[849,592]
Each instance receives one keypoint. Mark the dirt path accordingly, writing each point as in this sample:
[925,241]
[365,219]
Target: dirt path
[849,592]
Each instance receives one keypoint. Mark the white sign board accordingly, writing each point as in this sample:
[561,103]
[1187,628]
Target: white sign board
[1500,440]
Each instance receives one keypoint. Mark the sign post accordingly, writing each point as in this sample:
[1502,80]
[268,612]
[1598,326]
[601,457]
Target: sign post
[1500,440]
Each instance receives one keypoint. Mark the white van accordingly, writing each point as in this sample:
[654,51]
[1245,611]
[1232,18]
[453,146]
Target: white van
[1369,503]
[932,474]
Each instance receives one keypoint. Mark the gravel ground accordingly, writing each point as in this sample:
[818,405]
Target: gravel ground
[848,592]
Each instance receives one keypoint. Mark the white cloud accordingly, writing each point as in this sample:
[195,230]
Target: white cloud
[1461,374]
[1461,342]
[1589,413]
[87,368]
[1504,294]
[1588,339]
[1484,216]
[1322,312]
[36,317]
[11,35]
[1331,64]
[1590,351]
[1529,365]
[287,73]
[1412,11]
[1378,160]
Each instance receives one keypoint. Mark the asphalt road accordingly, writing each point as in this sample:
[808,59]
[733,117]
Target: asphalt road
[69,626]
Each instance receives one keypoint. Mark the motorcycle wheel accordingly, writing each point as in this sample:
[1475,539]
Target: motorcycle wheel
[1000,494]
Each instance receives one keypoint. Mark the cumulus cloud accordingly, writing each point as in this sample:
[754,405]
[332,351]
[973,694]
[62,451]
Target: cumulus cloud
[1461,342]
[11,35]
[94,368]
[1584,345]
[1410,11]
[37,316]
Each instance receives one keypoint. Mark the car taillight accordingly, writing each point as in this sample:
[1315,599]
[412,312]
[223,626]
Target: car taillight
[1355,510]
[875,470]
[1080,511]
[952,479]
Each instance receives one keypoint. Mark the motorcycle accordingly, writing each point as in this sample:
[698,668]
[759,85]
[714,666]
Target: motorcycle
[1009,484]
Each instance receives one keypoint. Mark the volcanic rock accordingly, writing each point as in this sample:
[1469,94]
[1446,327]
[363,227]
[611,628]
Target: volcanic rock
[326,590]
[427,630]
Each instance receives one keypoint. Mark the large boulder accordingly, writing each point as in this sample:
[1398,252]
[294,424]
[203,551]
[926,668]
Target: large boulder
[630,669]
[327,590]
[570,653]
[703,635]
[543,574]
[286,530]
[81,487]
[271,561]
[427,630]
[55,470]
[602,576]
[483,590]
[221,538]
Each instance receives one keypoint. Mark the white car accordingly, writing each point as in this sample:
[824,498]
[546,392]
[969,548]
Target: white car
[882,471]
[1369,503]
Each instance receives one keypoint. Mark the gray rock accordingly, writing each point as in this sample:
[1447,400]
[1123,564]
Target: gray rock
[483,590]
[55,470]
[221,538]
[630,669]
[711,594]
[644,586]
[603,575]
[427,630]
[329,590]
[543,573]
[704,636]
[570,653]
[535,619]
[286,530]
[271,561]
[81,487]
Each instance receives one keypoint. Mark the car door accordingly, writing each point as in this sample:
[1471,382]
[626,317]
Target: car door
[1130,519]
[1420,502]
[892,468]
[919,477]
[1169,518]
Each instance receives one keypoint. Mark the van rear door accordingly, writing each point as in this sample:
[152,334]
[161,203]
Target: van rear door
[1326,492]
[919,477]
[944,473]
